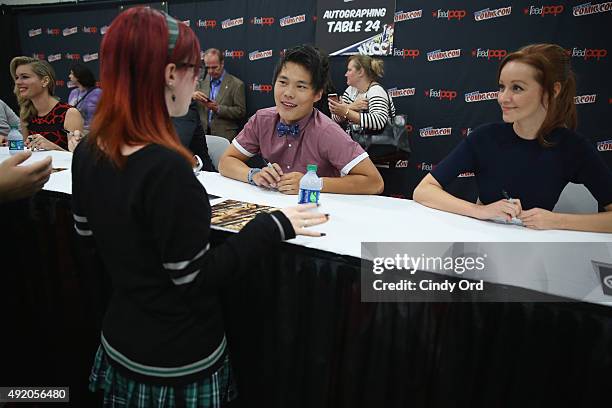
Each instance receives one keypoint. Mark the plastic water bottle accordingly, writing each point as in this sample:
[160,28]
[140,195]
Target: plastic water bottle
[310,186]
[15,140]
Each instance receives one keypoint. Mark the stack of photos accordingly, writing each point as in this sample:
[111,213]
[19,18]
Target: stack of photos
[232,215]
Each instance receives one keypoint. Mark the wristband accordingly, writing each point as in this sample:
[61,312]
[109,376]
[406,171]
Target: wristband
[252,173]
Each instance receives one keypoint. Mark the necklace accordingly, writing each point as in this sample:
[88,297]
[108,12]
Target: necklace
[360,92]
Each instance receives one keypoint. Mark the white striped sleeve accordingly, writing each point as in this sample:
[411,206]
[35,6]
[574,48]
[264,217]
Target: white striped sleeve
[346,96]
[241,149]
[187,270]
[81,225]
[378,109]
[347,169]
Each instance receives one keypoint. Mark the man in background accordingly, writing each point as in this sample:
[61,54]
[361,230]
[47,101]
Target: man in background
[220,97]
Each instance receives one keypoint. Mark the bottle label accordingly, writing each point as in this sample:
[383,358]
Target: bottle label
[308,196]
[15,144]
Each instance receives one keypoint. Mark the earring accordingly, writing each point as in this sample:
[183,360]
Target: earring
[173,97]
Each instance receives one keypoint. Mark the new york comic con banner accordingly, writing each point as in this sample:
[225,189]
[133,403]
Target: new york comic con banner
[348,27]
[441,72]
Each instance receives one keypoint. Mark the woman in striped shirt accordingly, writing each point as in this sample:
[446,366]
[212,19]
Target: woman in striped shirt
[365,103]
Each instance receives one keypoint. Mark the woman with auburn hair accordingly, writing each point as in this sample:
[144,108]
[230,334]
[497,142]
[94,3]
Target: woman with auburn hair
[137,201]
[523,165]
[46,122]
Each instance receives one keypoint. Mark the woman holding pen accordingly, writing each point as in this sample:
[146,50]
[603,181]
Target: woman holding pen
[523,165]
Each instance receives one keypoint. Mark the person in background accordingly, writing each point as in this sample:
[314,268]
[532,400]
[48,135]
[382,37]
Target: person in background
[137,202]
[191,134]
[523,164]
[322,104]
[221,98]
[293,134]
[8,118]
[86,95]
[45,121]
[365,103]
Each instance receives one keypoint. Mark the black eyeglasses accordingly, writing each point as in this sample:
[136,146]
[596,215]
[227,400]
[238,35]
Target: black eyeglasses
[180,65]
[198,67]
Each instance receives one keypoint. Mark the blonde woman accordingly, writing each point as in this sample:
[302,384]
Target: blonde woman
[365,102]
[45,121]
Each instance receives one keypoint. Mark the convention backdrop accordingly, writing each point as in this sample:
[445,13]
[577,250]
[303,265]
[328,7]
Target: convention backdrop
[348,28]
[442,71]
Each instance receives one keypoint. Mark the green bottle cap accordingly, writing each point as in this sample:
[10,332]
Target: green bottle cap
[311,167]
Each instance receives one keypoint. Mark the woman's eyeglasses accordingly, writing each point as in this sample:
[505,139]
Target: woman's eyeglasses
[199,67]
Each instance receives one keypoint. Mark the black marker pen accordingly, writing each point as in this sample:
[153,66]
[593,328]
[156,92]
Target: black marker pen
[506,196]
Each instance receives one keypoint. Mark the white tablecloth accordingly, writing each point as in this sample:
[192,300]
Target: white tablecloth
[532,261]
[60,181]
[563,269]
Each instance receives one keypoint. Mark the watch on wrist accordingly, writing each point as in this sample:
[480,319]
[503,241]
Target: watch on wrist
[252,173]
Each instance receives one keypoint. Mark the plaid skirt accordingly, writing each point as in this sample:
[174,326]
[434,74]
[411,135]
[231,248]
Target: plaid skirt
[121,392]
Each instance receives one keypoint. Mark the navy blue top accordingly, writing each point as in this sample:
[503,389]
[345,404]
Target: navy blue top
[501,160]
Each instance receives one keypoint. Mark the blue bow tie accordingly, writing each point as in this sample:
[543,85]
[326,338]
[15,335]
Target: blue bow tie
[284,129]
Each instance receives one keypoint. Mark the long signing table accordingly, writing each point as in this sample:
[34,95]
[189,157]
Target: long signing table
[298,326]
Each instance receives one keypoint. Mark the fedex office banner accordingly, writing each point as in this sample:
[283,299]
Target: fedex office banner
[348,27]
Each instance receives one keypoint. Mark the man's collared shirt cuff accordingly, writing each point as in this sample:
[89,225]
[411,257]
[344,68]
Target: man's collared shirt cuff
[242,149]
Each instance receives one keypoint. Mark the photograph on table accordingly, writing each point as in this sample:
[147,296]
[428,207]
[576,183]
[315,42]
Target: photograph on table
[232,215]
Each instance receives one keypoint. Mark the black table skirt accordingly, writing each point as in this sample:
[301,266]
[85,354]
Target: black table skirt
[299,335]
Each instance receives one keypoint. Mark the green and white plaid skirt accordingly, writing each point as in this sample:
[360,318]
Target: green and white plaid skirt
[121,392]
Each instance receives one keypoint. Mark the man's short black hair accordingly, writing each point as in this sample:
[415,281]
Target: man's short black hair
[313,61]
